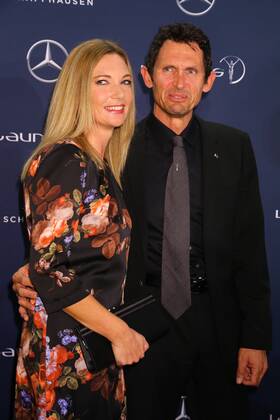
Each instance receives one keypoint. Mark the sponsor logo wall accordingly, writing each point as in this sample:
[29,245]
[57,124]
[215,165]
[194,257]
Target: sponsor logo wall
[37,35]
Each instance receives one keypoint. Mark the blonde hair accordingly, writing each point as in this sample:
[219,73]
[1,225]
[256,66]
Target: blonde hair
[70,113]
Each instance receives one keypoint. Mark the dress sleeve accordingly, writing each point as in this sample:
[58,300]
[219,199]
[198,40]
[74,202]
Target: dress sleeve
[54,201]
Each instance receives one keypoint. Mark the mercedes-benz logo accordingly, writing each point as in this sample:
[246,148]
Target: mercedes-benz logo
[45,59]
[236,68]
[195,7]
[183,413]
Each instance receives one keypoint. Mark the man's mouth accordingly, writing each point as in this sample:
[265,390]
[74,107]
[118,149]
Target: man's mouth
[178,97]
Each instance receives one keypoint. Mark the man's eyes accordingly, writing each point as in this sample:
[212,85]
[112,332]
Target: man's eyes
[191,71]
[171,69]
[168,69]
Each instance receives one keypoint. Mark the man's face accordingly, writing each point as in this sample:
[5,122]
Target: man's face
[178,80]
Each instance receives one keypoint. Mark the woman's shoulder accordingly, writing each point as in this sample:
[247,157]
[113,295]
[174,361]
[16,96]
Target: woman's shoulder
[62,152]
[63,156]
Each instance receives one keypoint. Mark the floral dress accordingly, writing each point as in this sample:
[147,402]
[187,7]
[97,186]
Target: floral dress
[79,240]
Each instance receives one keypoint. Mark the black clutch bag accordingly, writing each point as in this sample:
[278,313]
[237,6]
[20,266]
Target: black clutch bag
[145,316]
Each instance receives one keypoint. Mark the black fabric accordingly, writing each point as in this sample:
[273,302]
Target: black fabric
[238,309]
[185,362]
[233,233]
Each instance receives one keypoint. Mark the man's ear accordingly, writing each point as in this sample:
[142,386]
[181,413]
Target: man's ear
[209,82]
[146,76]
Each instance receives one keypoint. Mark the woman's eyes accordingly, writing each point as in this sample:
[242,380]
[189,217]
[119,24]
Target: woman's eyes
[127,82]
[101,82]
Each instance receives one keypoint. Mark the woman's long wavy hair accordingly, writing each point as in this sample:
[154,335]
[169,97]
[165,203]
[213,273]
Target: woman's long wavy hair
[71,115]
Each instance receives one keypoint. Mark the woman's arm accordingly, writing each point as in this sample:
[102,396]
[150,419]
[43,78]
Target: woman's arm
[128,345]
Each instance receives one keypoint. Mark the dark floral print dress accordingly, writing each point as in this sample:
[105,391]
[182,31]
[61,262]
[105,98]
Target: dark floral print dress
[79,240]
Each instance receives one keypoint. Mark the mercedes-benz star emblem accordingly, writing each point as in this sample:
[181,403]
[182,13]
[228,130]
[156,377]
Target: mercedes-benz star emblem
[45,59]
[195,7]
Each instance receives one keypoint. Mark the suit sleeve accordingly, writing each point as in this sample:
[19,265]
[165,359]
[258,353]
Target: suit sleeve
[251,274]
[54,208]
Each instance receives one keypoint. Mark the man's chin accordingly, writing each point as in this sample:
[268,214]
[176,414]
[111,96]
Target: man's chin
[178,113]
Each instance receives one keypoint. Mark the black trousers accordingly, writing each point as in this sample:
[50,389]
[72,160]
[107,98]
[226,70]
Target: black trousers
[187,361]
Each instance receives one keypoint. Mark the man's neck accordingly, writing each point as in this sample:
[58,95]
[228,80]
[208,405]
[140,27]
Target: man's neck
[176,124]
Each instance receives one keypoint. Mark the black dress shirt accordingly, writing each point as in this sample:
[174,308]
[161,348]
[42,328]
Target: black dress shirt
[159,159]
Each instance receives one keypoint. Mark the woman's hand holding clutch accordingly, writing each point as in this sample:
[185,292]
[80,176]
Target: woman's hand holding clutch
[130,347]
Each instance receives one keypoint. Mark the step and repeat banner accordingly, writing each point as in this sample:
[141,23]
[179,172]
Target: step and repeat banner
[35,38]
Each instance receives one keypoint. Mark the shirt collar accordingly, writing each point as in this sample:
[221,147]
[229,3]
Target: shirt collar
[163,135]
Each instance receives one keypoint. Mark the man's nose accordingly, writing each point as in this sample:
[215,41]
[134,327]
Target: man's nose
[179,80]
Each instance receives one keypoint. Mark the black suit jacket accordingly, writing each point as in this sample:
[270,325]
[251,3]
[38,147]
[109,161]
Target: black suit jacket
[233,233]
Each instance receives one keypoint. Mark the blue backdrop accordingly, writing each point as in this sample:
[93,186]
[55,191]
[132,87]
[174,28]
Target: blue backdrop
[245,38]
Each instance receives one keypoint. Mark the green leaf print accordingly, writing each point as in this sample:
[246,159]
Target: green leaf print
[66,370]
[52,248]
[72,383]
[48,256]
[77,196]
[77,236]
[62,381]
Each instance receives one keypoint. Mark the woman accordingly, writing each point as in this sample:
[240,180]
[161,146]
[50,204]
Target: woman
[79,241]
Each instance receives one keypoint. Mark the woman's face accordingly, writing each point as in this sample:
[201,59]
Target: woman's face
[111,91]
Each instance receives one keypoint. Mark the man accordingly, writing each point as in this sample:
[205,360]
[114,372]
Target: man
[217,342]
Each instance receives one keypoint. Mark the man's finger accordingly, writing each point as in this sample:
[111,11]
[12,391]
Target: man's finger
[255,376]
[263,371]
[25,303]
[240,373]
[27,293]
[20,277]
[23,313]
[24,291]
[265,368]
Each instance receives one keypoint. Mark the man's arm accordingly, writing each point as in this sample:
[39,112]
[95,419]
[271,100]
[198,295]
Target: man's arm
[252,277]
[24,290]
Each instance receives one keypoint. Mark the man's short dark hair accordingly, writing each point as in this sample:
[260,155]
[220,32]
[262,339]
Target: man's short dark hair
[183,33]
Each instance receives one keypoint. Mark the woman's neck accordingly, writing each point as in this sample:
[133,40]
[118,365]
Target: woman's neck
[98,138]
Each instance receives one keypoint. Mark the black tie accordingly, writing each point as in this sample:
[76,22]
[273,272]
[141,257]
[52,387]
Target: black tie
[175,285]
